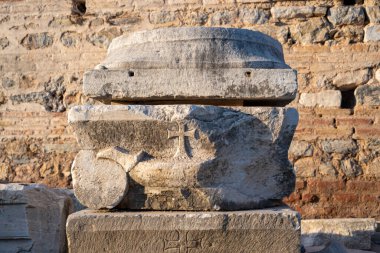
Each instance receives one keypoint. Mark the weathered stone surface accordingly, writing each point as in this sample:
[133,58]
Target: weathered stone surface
[222,63]
[98,183]
[262,86]
[372,33]
[346,15]
[328,98]
[368,95]
[351,79]
[268,230]
[302,12]
[32,218]
[37,41]
[350,168]
[305,167]
[373,13]
[253,16]
[312,31]
[300,148]
[4,42]
[353,233]
[339,146]
[70,39]
[189,157]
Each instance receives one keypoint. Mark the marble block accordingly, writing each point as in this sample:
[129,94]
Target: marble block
[182,157]
[269,230]
[217,65]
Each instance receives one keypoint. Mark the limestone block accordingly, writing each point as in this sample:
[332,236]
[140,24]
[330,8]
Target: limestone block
[32,218]
[368,95]
[269,86]
[193,63]
[314,30]
[377,75]
[372,33]
[300,149]
[328,98]
[346,15]
[183,157]
[303,12]
[373,13]
[353,233]
[339,146]
[268,230]
[351,79]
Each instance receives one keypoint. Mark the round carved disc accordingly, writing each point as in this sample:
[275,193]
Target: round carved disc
[98,183]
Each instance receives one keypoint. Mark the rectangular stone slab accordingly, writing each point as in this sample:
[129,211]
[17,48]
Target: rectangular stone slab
[267,230]
[261,86]
[353,233]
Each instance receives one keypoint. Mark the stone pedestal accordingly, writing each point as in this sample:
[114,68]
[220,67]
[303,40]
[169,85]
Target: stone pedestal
[266,230]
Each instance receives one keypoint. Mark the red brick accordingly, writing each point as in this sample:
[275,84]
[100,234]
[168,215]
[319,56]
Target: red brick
[351,198]
[316,122]
[325,186]
[366,132]
[363,186]
[354,121]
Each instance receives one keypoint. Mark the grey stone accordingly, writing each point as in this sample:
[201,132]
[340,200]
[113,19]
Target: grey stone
[70,39]
[4,42]
[301,12]
[189,157]
[327,98]
[267,230]
[162,16]
[300,149]
[37,41]
[190,64]
[372,33]
[368,95]
[350,168]
[373,13]
[7,83]
[314,30]
[353,233]
[218,86]
[346,15]
[51,98]
[104,37]
[253,16]
[225,17]
[32,218]
[339,146]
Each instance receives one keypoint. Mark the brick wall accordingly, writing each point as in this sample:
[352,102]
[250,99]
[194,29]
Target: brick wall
[45,46]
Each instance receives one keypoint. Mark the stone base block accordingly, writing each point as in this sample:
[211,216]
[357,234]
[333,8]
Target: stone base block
[267,230]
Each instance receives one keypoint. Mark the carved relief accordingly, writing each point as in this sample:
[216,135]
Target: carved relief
[181,134]
[181,242]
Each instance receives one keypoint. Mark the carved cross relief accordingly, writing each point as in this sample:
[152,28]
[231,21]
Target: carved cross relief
[181,134]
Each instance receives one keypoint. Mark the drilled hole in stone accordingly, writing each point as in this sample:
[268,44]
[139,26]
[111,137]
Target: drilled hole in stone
[79,7]
[349,2]
[248,74]
[131,73]
[348,99]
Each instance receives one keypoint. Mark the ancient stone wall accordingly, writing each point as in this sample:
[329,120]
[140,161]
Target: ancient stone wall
[45,46]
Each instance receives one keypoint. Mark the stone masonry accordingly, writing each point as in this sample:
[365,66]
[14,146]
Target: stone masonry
[45,47]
